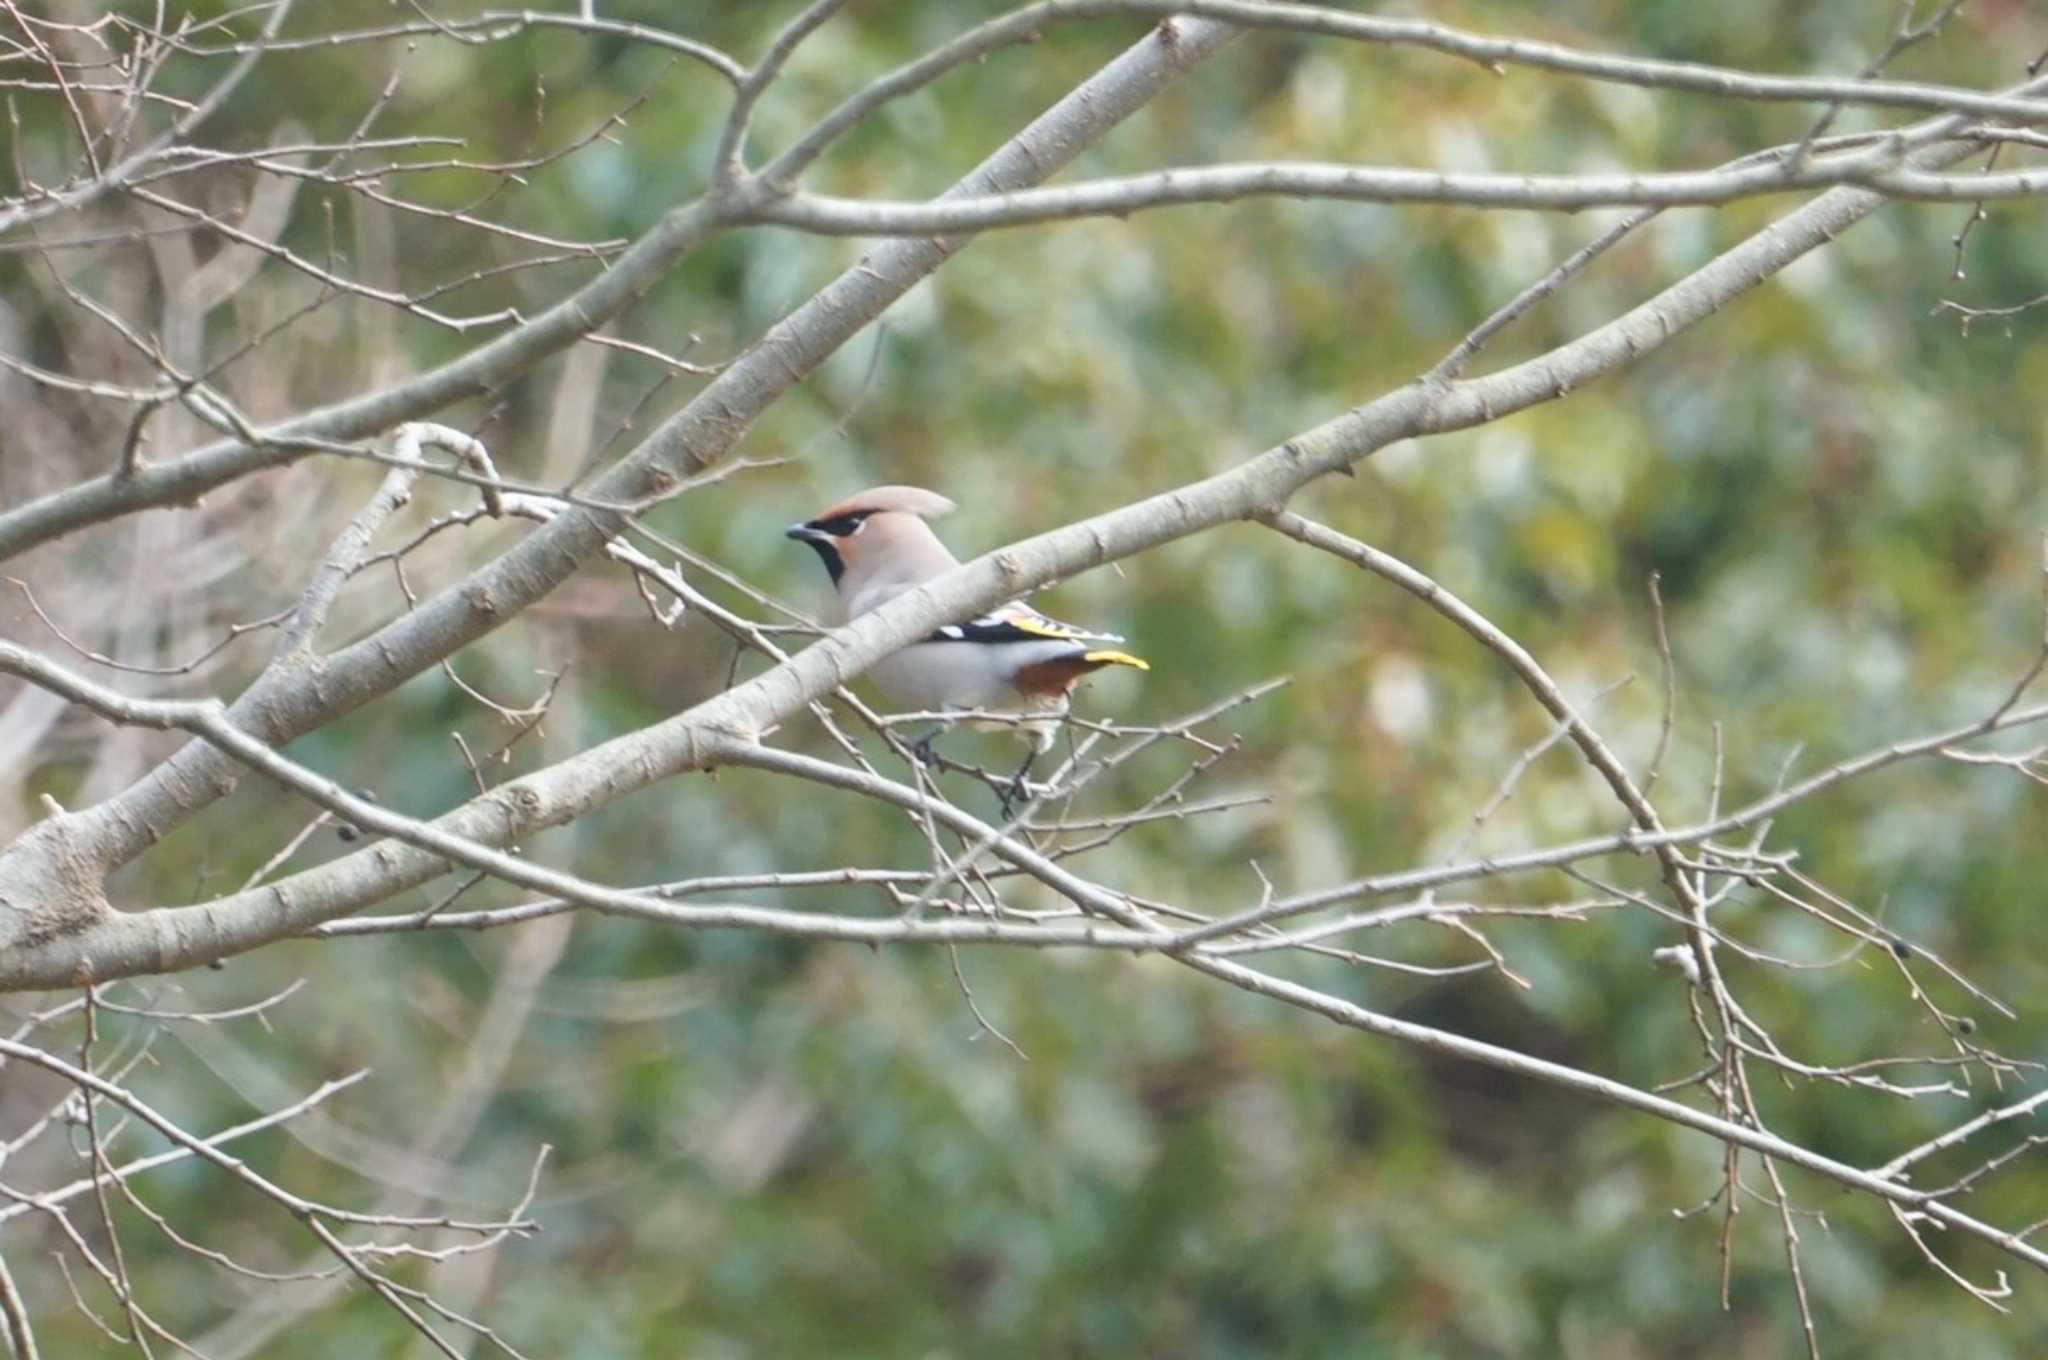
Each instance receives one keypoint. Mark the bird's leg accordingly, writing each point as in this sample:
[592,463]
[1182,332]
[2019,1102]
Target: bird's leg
[921,749]
[1017,790]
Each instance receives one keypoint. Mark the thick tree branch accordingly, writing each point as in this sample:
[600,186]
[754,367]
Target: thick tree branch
[173,938]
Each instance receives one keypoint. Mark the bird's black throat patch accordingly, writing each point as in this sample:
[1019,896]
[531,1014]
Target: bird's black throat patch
[828,553]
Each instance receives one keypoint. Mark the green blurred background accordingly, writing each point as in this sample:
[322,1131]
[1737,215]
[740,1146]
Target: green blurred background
[767,1147]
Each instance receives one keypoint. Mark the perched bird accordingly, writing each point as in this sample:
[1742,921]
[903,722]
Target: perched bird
[1013,659]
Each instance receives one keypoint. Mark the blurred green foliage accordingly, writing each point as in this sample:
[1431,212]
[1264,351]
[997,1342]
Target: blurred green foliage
[775,1148]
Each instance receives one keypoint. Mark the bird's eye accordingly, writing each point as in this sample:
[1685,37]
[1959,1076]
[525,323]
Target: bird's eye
[841,526]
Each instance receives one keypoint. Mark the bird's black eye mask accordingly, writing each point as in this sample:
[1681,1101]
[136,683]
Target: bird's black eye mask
[841,526]
[824,534]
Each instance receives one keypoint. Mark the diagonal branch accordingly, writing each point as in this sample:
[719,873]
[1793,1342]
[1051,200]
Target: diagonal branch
[701,434]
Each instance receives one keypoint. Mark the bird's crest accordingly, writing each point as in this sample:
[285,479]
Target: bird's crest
[910,500]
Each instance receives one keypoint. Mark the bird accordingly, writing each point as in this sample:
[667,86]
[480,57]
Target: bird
[1013,659]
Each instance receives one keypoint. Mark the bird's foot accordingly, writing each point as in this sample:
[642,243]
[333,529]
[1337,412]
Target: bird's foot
[1017,793]
[921,750]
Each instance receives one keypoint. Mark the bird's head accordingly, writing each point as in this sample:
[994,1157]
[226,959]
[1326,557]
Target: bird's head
[879,527]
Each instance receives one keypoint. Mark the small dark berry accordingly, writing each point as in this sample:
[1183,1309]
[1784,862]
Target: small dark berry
[346,832]
[1965,1025]
[1901,948]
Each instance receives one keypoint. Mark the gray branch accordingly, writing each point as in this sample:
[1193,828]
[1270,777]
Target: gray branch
[1876,169]
[49,877]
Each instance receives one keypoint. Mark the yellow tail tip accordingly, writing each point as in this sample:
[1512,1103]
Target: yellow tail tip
[1116,659]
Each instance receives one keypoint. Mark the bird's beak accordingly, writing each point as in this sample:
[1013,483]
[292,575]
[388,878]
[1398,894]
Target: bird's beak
[804,533]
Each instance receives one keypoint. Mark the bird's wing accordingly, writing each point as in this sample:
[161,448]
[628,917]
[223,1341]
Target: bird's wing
[1017,622]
